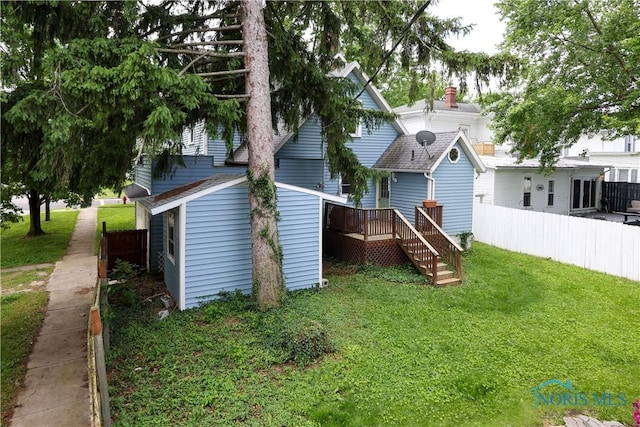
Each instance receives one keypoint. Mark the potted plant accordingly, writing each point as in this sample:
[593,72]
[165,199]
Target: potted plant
[429,203]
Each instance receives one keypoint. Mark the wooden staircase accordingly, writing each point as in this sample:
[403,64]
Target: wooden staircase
[421,253]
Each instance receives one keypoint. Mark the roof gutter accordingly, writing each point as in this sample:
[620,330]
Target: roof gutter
[431,191]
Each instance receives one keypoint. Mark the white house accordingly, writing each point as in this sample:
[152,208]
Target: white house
[574,187]
[447,115]
[622,155]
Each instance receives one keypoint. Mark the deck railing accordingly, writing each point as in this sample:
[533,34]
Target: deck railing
[423,252]
[368,222]
[449,250]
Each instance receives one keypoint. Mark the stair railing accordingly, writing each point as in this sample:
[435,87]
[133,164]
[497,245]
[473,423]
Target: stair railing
[448,249]
[422,250]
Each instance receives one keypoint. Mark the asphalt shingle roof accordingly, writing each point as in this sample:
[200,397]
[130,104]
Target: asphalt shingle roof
[405,153]
[186,190]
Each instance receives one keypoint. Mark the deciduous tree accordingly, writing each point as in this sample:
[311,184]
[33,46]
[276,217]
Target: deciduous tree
[582,75]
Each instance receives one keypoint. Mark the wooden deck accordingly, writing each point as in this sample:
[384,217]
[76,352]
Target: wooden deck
[384,237]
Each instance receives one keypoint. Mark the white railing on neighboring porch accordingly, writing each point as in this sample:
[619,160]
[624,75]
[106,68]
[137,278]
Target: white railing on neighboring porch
[605,246]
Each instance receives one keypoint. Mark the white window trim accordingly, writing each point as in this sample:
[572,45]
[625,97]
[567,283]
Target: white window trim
[340,192]
[171,222]
[358,131]
[449,155]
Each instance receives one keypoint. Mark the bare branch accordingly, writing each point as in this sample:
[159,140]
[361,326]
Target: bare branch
[223,73]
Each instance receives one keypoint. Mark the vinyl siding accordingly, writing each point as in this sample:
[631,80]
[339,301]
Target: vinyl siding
[217,148]
[409,190]
[218,252]
[483,186]
[143,173]
[306,173]
[196,168]
[195,148]
[172,268]
[309,142]
[299,232]
[454,191]
[156,242]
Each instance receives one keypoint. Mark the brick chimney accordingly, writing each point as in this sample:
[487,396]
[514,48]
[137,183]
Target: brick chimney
[450,97]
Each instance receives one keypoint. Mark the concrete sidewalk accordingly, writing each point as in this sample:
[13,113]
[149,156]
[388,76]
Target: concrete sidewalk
[56,387]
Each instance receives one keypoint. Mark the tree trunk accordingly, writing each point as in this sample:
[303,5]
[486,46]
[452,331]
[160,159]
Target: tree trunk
[35,226]
[47,209]
[266,252]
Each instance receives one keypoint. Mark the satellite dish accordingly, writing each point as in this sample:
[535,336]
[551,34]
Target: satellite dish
[425,137]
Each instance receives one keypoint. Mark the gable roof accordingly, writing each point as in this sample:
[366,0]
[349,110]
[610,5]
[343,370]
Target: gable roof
[281,135]
[135,191]
[173,198]
[406,155]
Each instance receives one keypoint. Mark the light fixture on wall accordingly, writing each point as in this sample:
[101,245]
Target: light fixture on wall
[394,178]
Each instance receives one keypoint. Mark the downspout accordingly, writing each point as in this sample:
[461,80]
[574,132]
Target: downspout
[431,191]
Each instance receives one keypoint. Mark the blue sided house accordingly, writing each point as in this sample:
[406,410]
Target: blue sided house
[198,215]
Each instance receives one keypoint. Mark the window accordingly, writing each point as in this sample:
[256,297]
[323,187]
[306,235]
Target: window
[630,143]
[526,198]
[345,186]
[357,133]
[191,136]
[171,236]
[454,155]
[550,190]
[584,194]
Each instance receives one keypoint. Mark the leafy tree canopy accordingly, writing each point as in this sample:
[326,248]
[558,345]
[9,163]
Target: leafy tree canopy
[85,82]
[582,74]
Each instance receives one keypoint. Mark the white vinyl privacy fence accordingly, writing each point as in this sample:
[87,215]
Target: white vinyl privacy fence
[605,246]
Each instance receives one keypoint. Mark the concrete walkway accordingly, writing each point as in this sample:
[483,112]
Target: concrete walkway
[56,388]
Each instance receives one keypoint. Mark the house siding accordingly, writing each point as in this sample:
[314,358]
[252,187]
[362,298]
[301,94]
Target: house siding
[172,267]
[196,168]
[306,173]
[509,190]
[156,244]
[309,142]
[299,232]
[195,148]
[217,148]
[407,192]
[218,253]
[483,187]
[454,191]
[143,173]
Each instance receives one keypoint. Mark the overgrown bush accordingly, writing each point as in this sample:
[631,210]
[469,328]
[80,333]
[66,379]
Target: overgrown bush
[296,339]
[123,291]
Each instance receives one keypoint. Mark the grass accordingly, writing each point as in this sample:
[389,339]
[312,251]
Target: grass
[22,314]
[18,250]
[117,217]
[18,280]
[405,354]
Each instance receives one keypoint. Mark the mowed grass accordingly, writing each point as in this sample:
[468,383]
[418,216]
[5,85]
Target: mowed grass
[22,314]
[17,249]
[117,217]
[405,354]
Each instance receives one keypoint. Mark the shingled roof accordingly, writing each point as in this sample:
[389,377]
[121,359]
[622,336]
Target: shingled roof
[172,198]
[405,154]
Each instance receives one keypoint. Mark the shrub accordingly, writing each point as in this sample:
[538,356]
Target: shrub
[297,339]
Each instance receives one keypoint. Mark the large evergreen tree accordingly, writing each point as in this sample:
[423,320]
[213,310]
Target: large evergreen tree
[85,82]
[582,77]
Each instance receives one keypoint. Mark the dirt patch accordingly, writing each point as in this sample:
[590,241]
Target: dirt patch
[333,268]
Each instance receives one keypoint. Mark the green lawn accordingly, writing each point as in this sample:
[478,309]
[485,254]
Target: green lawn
[117,217]
[406,354]
[18,250]
[22,314]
